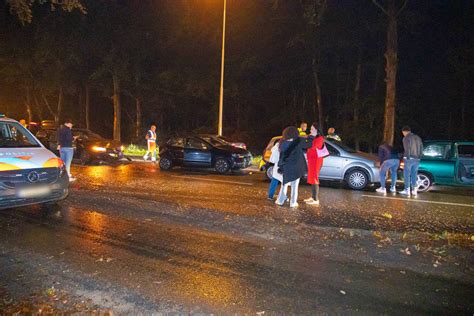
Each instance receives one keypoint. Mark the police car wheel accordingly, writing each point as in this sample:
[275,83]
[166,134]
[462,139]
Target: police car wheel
[165,163]
[222,165]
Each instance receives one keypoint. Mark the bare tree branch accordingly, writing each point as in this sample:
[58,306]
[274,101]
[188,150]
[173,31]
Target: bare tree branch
[380,7]
[401,8]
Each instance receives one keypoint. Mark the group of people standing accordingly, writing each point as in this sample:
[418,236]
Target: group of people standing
[297,154]
[293,156]
[390,160]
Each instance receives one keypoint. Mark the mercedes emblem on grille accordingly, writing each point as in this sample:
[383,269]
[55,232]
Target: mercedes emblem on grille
[33,176]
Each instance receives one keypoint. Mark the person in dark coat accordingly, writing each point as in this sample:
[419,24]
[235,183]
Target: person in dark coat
[292,164]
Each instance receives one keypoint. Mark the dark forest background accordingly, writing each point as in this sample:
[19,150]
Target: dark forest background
[161,59]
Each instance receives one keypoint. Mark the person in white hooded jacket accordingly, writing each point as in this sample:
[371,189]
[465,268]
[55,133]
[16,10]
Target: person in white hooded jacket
[276,177]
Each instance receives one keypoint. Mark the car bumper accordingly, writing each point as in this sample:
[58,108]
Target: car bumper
[108,156]
[11,197]
[241,163]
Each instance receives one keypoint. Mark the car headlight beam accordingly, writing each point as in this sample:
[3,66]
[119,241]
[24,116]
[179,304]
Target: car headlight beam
[99,149]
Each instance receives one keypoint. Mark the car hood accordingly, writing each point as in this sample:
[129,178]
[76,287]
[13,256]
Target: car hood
[27,158]
[233,149]
[362,156]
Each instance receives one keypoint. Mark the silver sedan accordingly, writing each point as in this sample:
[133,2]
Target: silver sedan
[356,169]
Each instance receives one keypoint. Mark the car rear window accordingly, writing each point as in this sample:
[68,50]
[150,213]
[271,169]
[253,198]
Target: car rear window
[13,135]
[176,142]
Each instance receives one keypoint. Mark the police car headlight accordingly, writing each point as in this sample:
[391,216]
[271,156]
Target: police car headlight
[99,149]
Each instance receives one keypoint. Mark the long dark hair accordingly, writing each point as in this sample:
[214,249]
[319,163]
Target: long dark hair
[315,125]
[290,132]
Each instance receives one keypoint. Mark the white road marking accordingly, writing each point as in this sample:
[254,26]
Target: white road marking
[419,201]
[214,180]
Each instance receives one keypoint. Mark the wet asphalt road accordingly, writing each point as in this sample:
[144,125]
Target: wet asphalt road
[134,239]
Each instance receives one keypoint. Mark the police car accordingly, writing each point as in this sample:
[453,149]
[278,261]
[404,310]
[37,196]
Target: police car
[29,173]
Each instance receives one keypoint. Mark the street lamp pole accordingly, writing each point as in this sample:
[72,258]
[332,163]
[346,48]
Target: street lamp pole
[221,94]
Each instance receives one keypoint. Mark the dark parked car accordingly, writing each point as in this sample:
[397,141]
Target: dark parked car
[195,151]
[89,146]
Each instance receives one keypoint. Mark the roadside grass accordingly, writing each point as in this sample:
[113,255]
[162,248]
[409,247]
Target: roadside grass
[134,150]
[256,160]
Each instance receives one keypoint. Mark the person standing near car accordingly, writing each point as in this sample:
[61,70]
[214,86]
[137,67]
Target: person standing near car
[302,129]
[413,150]
[332,135]
[316,154]
[292,164]
[151,144]
[276,177]
[388,158]
[65,148]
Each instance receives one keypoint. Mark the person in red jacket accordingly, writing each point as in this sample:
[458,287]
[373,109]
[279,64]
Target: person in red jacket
[315,155]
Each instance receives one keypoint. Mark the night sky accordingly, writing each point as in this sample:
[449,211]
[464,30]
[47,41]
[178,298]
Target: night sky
[168,54]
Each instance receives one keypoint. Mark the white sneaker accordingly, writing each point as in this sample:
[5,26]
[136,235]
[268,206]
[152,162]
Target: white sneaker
[414,192]
[405,192]
[278,203]
[72,179]
[393,190]
[153,159]
[145,157]
[309,200]
[313,202]
[381,190]
[296,205]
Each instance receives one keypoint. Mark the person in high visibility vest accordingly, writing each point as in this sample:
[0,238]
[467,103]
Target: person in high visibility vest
[151,142]
[302,129]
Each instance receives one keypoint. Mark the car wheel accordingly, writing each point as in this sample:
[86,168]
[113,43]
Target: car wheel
[424,182]
[85,157]
[222,165]
[269,172]
[166,163]
[357,179]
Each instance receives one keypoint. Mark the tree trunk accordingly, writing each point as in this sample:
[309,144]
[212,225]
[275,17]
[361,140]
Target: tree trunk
[28,105]
[138,122]
[87,107]
[391,73]
[318,106]
[57,117]
[356,101]
[117,107]
[38,107]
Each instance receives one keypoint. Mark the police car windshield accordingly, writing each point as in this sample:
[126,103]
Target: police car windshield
[13,135]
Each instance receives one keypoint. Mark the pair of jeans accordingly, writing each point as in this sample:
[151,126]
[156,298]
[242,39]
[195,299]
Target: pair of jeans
[410,173]
[272,188]
[66,154]
[392,165]
[294,193]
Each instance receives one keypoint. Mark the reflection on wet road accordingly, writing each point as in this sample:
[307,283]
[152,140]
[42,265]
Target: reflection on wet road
[198,242]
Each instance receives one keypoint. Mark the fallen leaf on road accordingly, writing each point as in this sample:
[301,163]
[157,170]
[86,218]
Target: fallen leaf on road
[387,215]
[377,234]
[406,251]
